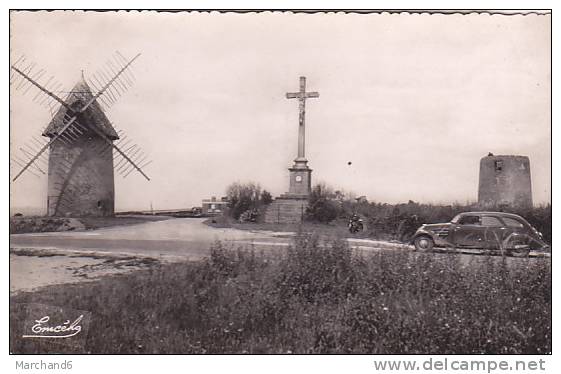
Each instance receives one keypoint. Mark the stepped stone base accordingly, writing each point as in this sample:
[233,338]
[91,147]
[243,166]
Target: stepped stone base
[286,209]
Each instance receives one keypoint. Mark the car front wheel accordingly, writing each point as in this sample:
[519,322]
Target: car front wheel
[423,243]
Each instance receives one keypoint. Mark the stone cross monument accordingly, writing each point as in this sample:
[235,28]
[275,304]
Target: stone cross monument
[291,206]
[300,173]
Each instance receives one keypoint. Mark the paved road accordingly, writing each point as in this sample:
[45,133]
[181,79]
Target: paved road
[170,240]
[180,237]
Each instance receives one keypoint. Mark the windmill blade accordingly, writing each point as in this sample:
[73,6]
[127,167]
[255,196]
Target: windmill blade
[13,75]
[28,150]
[141,166]
[132,165]
[44,148]
[131,162]
[34,158]
[29,154]
[26,70]
[112,80]
[139,159]
[25,78]
[70,132]
[40,87]
[123,154]
[134,153]
[103,100]
[131,156]
[120,59]
[36,78]
[110,83]
[20,163]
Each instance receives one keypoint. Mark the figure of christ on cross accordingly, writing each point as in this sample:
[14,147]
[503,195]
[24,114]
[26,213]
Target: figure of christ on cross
[302,95]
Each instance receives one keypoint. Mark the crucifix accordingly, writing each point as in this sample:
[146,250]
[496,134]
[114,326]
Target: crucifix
[302,95]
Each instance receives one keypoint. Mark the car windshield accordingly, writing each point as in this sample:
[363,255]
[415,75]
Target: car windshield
[456,219]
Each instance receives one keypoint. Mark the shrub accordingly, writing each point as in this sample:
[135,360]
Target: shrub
[313,270]
[243,197]
[266,197]
[321,206]
[247,200]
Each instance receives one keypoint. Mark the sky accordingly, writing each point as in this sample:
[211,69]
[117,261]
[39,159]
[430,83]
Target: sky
[413,101]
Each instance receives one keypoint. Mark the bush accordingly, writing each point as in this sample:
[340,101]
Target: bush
[266,197]
[313,271]
[247,200]
[321,206]
[243,197]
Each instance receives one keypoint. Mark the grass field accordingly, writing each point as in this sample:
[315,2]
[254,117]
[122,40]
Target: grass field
[311,299]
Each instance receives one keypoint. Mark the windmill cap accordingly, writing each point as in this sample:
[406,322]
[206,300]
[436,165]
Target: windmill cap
[80,94]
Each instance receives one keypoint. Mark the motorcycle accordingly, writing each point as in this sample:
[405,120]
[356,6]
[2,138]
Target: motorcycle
[355,225]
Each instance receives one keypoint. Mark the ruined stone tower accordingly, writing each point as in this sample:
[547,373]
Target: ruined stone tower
[505,181]
[80,177]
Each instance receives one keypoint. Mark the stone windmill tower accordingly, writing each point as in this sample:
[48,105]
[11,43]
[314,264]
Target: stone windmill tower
[83,147]
[505,181]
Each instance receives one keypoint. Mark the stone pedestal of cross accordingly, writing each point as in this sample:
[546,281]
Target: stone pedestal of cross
[300,173]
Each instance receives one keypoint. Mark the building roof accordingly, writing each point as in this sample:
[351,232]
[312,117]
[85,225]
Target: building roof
[92,116]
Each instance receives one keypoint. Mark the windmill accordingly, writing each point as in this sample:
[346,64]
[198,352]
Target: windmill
[84,149]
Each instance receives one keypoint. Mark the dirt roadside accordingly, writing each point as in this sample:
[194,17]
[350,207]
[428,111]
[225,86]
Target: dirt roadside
[32,269]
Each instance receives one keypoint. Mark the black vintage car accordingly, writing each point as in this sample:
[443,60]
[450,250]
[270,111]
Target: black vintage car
[481,230]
